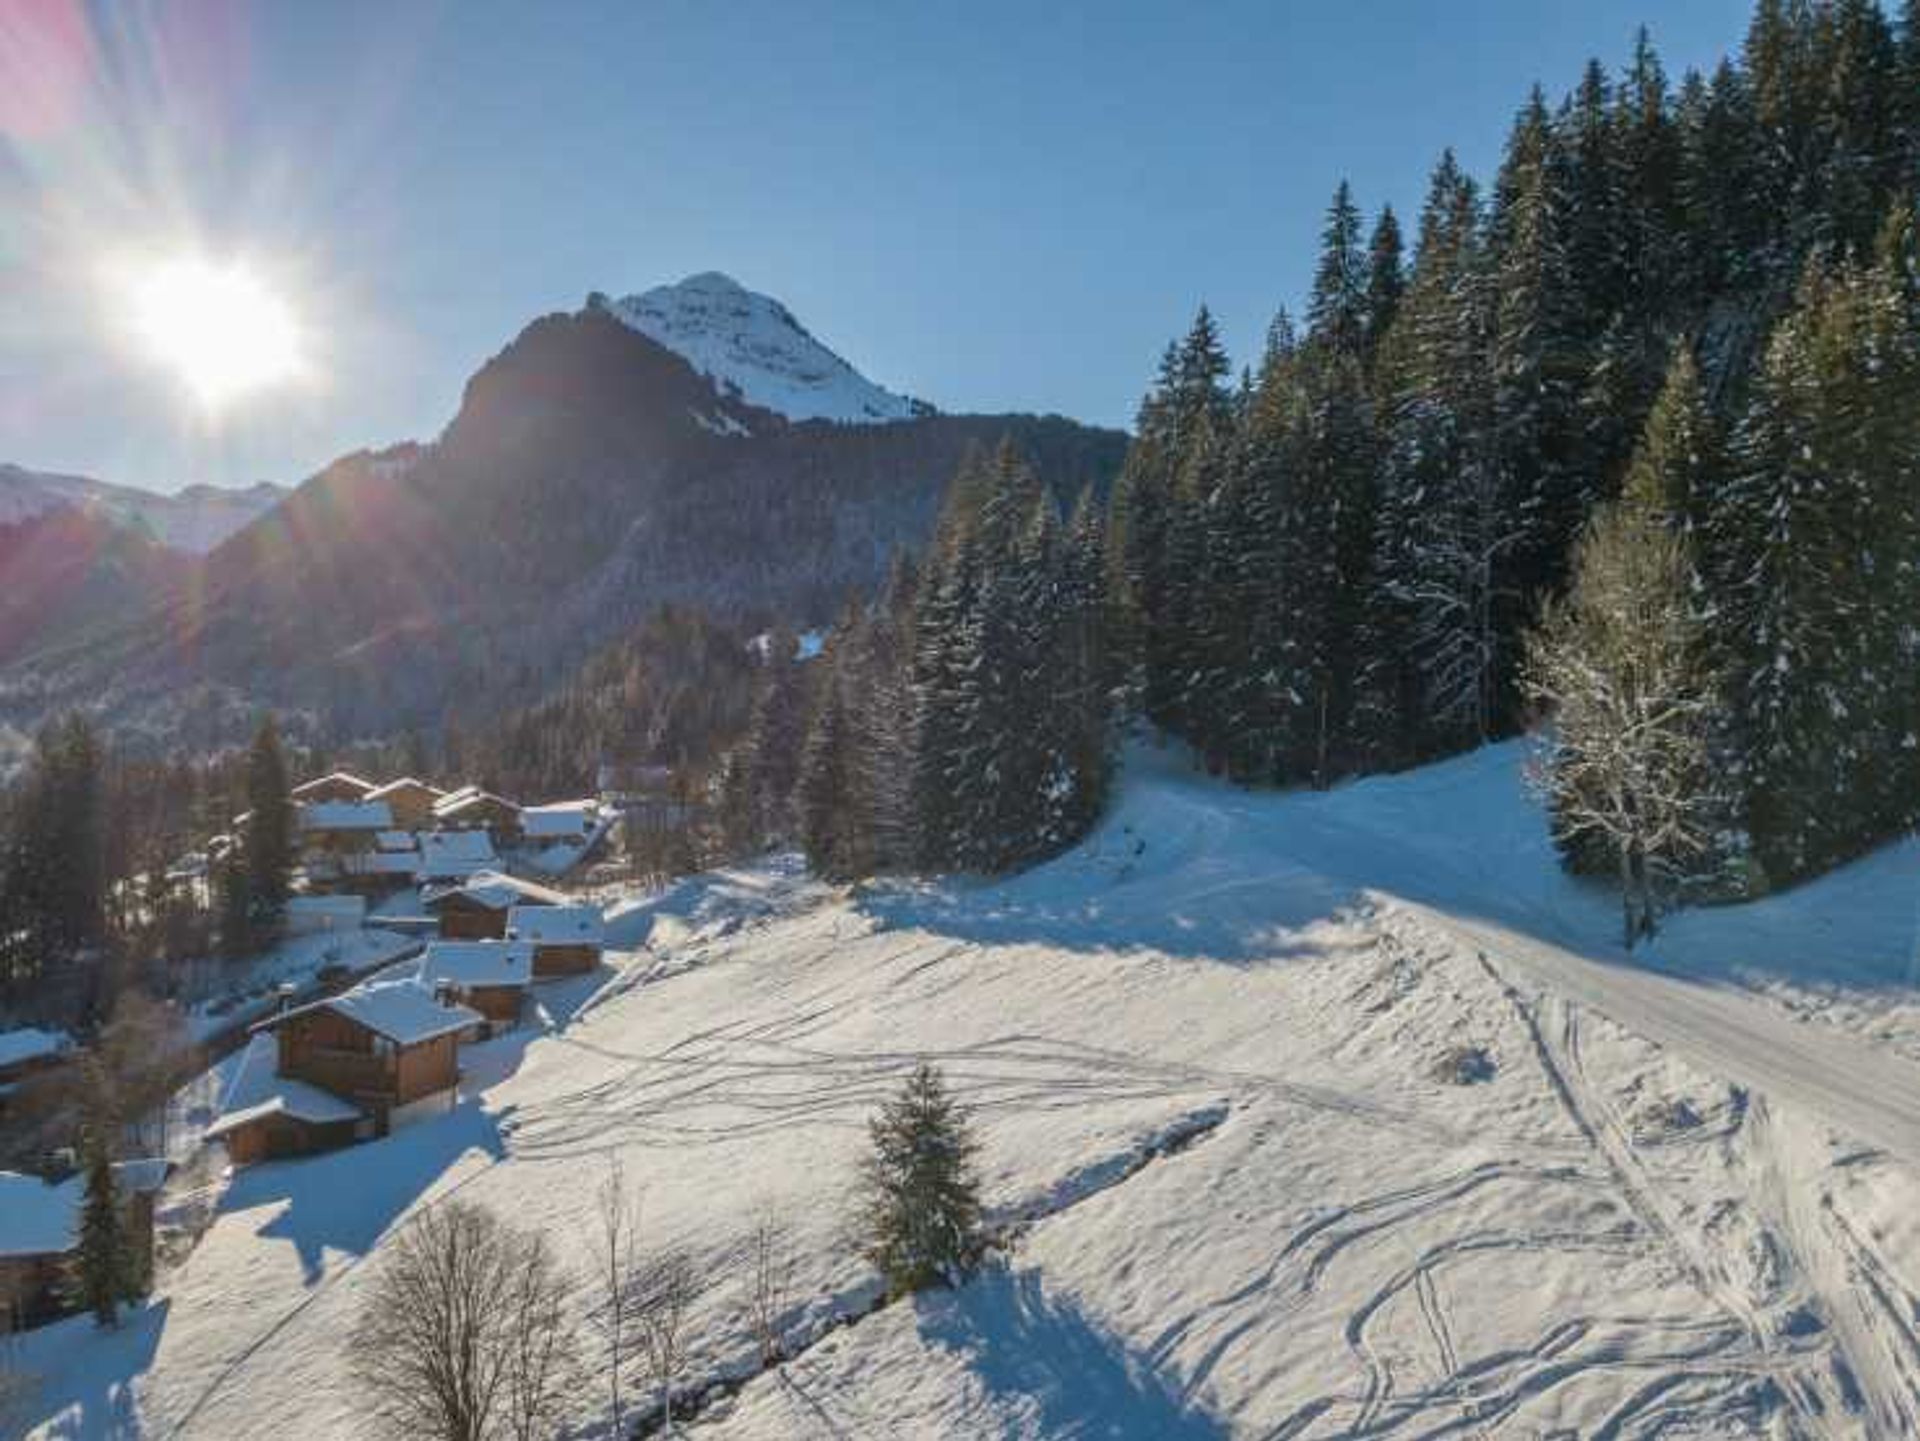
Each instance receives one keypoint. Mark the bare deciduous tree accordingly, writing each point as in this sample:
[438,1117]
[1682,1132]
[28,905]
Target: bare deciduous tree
[614,1261]
[770,1282]
[1622,665]
[461,1335]
[664,1290]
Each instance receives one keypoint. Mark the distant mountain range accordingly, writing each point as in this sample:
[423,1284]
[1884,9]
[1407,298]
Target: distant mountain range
[693,446]
[193,520]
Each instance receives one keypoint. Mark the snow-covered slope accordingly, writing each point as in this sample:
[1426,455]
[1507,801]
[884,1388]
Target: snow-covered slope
[1301,1116]
[195,519]
[752,343]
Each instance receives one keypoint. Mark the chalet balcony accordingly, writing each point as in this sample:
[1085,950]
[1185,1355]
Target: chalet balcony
[345,1073]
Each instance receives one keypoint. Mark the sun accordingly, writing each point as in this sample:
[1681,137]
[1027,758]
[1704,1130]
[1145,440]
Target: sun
[215,325]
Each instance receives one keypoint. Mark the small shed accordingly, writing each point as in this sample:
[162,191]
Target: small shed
[566,939]
[477,910]
[490,976]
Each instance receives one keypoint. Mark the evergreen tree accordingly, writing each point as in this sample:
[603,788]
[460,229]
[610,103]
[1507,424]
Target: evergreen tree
[1543,480]
[920,1198]
[54,864]
[831,803]
[1386,281]
[1819,541]
[103,1270]
[1444,529]
[268,836]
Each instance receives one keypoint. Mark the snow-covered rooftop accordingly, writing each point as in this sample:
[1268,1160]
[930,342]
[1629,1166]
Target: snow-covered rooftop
[257,1090]
[346,816]
[498,891]
[345,780]
[403,1011]
[30,1043]
[558,821]
[576,925]
[477,963]
[468,798]
[455,855]
[38,1219]
[402,785]
[751,344]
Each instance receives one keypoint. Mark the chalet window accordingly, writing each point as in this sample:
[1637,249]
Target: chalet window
[383,1046]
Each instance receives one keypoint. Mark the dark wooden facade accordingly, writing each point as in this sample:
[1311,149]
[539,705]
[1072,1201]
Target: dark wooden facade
[281,1135]
[339,1054]
[462,918]
[558,959]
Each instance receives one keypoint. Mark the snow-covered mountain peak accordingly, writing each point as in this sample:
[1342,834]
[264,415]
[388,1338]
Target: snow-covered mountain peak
[751,344]
[194,520]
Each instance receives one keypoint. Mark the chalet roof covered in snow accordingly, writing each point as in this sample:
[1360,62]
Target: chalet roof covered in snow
[403,1011]
[477,963]
[559,821]
[29,1043]
[334,780]
[401,787]
[38,1219]
[455,855]
[257,1092]
[346,816]
[468,798]
[497,891]
[574,925]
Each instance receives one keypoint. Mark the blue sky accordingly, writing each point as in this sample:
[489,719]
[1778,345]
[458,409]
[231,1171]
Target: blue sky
[987,206]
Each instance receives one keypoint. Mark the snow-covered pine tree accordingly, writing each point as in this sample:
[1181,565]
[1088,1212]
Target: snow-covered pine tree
[1444,528]
[919,1195]
[1544,481]
[1819,543]
[102,1269]
[1325,506]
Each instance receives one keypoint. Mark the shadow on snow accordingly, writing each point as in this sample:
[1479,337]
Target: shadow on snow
[1038,1353]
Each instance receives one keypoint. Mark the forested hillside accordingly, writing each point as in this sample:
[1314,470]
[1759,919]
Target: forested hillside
[1333,563]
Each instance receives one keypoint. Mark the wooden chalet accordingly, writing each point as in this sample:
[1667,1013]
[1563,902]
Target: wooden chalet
[39,1232]
[383,1048]
[28,1052]
[477,909]
[566,940]
[340,840]
[334,786]
[265,1114]
[411,801]
[471,808]
[490,976]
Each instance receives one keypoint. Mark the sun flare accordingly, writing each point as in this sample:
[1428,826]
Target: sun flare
[217,326]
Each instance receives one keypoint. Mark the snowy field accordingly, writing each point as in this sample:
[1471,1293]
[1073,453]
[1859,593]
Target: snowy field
[1307,1116]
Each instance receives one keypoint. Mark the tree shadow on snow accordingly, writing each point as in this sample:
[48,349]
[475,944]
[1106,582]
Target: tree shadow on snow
[343,1201]
[80,1376]
[1043,1356]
